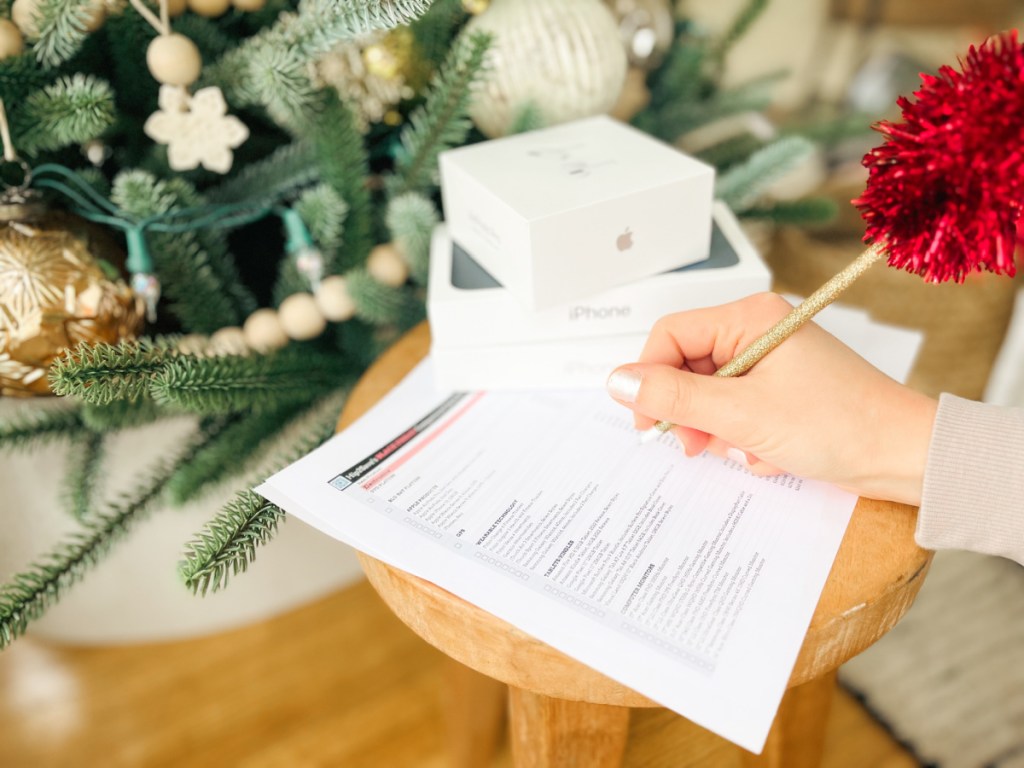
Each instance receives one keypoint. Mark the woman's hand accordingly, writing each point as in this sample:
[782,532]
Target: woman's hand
[811,406]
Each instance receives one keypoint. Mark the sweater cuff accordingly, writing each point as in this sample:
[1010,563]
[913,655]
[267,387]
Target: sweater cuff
[974,480]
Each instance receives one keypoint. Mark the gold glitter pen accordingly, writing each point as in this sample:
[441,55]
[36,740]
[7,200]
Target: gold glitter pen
[787,326]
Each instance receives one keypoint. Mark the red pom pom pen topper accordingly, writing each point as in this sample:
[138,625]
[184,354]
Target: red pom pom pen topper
[944,192]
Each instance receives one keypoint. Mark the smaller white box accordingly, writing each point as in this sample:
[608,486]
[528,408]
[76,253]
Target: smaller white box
[468,308]
[561,364]
[565,212]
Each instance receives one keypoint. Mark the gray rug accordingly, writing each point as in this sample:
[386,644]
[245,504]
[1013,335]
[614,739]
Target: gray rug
[949,679]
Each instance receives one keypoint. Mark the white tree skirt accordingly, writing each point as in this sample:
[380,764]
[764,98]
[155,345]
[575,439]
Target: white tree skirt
[135,594]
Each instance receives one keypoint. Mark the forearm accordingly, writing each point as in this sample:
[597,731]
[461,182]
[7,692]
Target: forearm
[973,495]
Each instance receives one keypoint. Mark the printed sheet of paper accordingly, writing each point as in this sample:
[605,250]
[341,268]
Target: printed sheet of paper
[689,580]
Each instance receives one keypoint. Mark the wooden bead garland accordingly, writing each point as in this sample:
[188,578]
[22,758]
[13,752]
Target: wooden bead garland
[24,14]
[386,265]
[300,317]
[249,5]
[263,331]
[333,299]
[174,60]
[11,42]
[209,8]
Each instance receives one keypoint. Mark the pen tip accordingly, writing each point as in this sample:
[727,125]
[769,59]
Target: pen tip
[649,435]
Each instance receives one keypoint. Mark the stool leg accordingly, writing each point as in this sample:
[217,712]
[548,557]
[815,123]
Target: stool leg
[797,738]
[555,733]
[473,707]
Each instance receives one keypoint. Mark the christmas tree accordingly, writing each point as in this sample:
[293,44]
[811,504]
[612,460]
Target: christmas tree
[318,119]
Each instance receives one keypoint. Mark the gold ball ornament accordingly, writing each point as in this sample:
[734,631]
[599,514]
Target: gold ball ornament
[97,11]
[174,60]
[263,330]
[176,7]
[300,317]
[11,42]
[25,15]
[334,300]
[563,58]
[387,266]
[54,294]
[249,6]
[392,55]
[211,9]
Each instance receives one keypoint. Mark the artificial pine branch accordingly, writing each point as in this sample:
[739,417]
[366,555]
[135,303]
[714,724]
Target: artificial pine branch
[276,176]
[527,118]
[225,454]
[324,213]
[31,429]
[442,120]
[102,373]
[280,55]
[341,158]
[740,26]
[198,275]
[227,544]
[83,478]
[210,385]
[120,414]
[62,29]
[675,87]
[742,185]
[375,302]
[28,595]
[71,110]
[411,219]
[205,33]
[808,211]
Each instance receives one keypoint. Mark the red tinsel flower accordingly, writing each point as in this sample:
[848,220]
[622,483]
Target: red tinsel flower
[945,190]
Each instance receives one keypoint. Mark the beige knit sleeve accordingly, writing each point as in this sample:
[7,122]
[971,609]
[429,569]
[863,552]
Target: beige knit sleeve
[973,496]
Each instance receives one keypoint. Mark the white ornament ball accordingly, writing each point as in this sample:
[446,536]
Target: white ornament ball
[386,265]
[11,42]
[263,331]
[174,60]
[334,300]
[249,5]
[209,8]
[228,341]
[565,59]
[300,317]
[24,14]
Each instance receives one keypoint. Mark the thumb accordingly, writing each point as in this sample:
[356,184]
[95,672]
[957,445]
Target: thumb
[664,393]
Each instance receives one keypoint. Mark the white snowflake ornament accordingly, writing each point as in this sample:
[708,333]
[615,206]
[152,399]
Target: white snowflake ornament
[197,129]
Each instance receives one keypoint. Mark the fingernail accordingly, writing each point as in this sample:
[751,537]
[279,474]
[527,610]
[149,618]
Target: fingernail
[738,456]
[624,385]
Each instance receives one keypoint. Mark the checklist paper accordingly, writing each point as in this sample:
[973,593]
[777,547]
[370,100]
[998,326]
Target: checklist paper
[689,580]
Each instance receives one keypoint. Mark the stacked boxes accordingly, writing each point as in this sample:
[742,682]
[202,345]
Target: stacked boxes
[562,248]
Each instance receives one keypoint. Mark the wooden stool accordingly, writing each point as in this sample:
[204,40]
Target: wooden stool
[563,713]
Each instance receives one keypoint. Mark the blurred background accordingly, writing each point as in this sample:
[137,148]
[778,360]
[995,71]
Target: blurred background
[299,664]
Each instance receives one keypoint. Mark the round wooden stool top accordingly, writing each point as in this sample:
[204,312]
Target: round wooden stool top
[873,581]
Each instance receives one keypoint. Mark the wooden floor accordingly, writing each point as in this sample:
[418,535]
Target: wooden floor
[337,683]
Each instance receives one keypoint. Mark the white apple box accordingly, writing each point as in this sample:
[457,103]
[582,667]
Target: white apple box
[565,212]
[469,309]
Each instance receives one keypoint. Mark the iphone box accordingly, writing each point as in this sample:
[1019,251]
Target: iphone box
[562,213]
[468,308]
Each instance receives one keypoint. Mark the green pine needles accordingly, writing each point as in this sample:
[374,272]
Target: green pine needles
[442,121]
[71,110]
[102,373]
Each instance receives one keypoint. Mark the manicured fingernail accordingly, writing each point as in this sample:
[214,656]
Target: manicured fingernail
[624,385]
[738,456]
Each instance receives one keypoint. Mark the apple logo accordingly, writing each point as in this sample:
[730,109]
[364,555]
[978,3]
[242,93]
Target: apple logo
[624,241]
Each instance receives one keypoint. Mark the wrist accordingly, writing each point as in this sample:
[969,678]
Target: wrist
[902,450]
